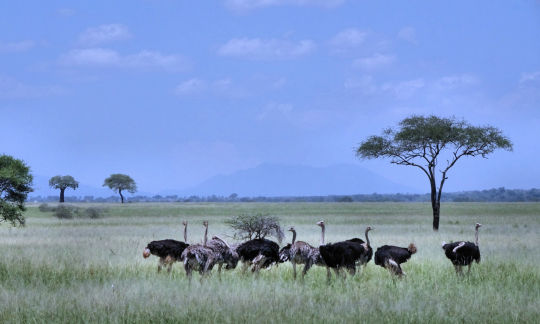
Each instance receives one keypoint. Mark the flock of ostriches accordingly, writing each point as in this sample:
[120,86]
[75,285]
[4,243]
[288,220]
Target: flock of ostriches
[263,253]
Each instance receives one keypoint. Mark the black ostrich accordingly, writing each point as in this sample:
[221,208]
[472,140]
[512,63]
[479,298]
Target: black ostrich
[169,251]
[391,257]
[347,254]
[463,253]
[261,253]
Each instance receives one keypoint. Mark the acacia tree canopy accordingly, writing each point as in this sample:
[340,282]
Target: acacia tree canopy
[15,185]
[421,142]
[62,183]
[119,182]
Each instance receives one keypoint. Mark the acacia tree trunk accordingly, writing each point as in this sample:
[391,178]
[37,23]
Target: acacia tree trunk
[62,194]
[436,212]
[435,204]
[121,196]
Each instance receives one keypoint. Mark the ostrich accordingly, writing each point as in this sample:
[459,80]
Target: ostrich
[203,257]
[261,253]
[463,253]
[391,257]
[168,251]
[347,254]
[303,253]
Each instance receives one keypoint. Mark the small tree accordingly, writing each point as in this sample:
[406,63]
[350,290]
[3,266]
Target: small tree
[62,183]
[255,226]
[422,141]
[118,182]
[15,185]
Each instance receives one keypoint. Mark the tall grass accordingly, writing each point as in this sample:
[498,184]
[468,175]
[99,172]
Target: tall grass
[92,270]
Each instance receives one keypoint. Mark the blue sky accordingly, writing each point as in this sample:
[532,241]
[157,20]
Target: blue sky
[174,92]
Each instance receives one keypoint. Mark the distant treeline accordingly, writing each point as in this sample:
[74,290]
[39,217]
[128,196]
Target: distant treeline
[491,195]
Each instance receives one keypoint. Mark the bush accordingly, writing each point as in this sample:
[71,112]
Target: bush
[45,208]
[65,211]
[94,212]
[255,226]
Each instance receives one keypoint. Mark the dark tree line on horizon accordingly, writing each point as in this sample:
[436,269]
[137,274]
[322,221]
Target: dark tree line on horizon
[490,195]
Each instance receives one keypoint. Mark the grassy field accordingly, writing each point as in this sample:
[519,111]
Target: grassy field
[92,270]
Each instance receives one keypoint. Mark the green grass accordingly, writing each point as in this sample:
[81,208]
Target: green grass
[87,270]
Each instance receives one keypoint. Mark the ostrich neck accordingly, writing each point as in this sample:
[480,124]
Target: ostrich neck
[205,235]
[322,234]
[367,238]
[293,237]
[476,237]
[185,233]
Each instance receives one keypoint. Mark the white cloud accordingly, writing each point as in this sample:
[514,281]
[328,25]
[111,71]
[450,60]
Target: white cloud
[455,81]
[375,61]
[349,38]
[269,49]
[244,5]
[104,34]
[408,34]
[16,46]
[13,89]
[273,110]
[103,57]
[221,87]
[400,90]
[190,86]
[404,89]
[364,84]
[530,77]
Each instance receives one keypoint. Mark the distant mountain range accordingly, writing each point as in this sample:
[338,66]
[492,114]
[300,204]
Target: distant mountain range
[265,180]
[296,180]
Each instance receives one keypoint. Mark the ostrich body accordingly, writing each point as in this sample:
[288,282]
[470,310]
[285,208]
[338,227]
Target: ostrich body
[463,253]
[203,257]
[391,257]
[303,253]
[169,251]
[261,253]
[347,254]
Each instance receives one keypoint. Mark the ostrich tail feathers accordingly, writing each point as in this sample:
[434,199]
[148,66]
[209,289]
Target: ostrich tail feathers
[412,248]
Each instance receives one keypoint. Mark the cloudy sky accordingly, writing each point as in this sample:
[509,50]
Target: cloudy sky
[174,92]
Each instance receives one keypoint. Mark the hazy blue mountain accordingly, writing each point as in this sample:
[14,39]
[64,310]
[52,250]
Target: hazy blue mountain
[297,180]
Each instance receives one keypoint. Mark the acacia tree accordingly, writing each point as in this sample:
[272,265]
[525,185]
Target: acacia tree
[62,183]
[119,182]
[421,142]
[255,226]
[15,185]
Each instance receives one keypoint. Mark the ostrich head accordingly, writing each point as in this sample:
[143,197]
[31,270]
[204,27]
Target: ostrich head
[477,226]
[146,252]
[205,223]
[369,228]
[320,223]
[291,229]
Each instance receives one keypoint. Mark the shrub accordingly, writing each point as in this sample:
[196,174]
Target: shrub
[65,211]
[93,212]
[255,226]
[45,208]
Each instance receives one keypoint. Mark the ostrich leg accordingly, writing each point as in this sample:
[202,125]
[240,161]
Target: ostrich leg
[469,270]
[294,270]
[307,266]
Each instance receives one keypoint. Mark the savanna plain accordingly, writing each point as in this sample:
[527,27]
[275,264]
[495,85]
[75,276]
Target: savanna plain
[92,270]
